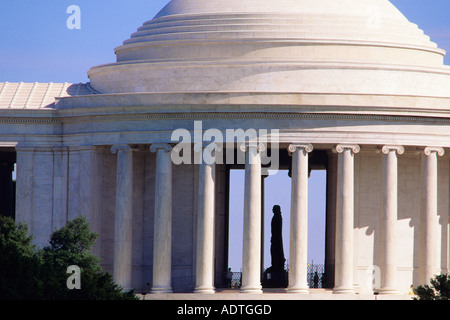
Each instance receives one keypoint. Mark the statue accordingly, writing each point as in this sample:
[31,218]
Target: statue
[276,242]
[275,276]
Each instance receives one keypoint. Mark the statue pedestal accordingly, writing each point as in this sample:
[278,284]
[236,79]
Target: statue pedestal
[275,279]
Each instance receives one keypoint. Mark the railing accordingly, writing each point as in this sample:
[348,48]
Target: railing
[229,280]
[319,276]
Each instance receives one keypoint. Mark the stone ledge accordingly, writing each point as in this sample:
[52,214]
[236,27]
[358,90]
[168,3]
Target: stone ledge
[315,294]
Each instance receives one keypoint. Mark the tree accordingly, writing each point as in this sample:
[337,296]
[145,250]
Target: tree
[20,263]
[71,246]
[439,289]
[32,273]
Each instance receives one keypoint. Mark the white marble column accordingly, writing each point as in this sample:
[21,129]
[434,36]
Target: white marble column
[24,185]
[344,219]
[430,221]
[205,229]
[162,236]
[298,250]
[389,219]
[123,216]
[42,209]
[251,259]
[60,186]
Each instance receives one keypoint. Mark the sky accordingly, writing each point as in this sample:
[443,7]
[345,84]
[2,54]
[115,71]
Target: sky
[37,46]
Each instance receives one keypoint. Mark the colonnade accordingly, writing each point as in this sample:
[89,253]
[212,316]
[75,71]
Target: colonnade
[251,277]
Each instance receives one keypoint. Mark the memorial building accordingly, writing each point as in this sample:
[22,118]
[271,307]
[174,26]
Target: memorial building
[351,87]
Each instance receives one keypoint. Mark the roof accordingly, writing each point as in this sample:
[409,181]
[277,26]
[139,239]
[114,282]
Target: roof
[38,95]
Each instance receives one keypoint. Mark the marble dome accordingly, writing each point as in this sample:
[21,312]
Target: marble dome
[352,46]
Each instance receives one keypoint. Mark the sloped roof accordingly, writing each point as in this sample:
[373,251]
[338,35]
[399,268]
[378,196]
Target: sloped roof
[21,95]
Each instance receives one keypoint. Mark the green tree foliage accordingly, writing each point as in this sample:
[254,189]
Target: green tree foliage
[438,290]
[20,264]
[33,273]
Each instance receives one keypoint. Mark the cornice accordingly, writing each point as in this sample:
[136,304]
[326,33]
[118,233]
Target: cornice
[250,115]
[73,119]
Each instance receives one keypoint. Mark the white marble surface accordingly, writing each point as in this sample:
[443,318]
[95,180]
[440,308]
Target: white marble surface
[344,263]
[251,252]
[162,241]
[389,217]
[298,254]
[288,46]
[205,230]
[123,219]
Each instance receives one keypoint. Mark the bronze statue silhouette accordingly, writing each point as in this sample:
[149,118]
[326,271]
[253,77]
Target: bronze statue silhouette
[276,241]
[276,276]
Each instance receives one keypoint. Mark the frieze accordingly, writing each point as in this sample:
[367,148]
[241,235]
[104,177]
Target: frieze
[59,120]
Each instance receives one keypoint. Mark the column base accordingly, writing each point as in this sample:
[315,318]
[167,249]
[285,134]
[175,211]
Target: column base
[344,290]
[205,290]
[252,290]
[298,290]
[388,291]
[161,290]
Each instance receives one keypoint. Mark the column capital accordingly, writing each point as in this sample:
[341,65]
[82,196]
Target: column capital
[342,147]
[122,147]
[260,147]
[388,148]
[305,146]
[157,146]
[428,150]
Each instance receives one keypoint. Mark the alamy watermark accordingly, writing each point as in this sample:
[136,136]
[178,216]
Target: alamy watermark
[228,146]
[74,280]
[371,277]
[73,22]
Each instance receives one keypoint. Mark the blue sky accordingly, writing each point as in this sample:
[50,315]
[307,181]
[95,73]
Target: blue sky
[36,45]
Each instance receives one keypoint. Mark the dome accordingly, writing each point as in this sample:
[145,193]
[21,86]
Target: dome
[365,20]
[271,7]
[355,46]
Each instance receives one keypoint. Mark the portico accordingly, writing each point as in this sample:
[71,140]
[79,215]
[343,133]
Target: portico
[345,278]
